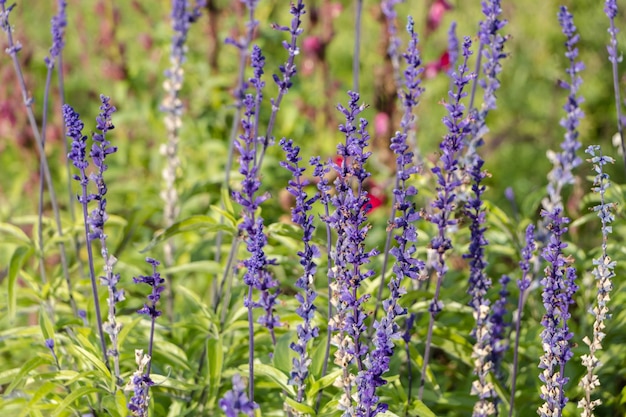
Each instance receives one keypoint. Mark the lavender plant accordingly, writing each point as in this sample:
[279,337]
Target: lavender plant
[610,9]
[448,181]
[301,215]
[172,106]
[350,256]
[210,340]
[78,156]
[140,382]
[603,272]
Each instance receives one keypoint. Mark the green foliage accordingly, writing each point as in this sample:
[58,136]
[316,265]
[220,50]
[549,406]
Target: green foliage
[121,50]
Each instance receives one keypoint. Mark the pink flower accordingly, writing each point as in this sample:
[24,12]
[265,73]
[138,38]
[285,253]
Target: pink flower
[381,124]
[435,14]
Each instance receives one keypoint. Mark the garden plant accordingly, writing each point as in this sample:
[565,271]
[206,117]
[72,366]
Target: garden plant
[312,208]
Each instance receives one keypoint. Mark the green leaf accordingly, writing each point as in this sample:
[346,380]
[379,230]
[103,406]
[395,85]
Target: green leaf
[215,365]
[47,329]
[421,409]
[302,408]
[42,392]
[283,353]
[208,267]
[31,364]
[272,374]
[76,394]
[15,232]
[15,265]
[322,383]
[205,223]
[92,359]
[169,382]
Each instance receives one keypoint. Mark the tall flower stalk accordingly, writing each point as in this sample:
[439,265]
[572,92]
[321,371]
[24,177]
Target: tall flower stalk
[558,290]
[301,215]
[99,151]
[559,277]
[257,275]
[404,216]
[610,9]
[448,182]
[78,156]
[603,272]
[172,106]
[409,93]
[349,220]
[567,160]
[140,382]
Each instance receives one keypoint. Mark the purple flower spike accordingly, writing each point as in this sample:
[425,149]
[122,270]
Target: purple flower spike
[448,182]
[567,160]
[156,282]
[58,25]
[558,290]
[300,214]
[349,220]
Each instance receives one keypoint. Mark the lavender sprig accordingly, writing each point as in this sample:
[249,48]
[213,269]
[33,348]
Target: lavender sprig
[403,218]
[603,272]
[523,284]
[78,156]
[150,309]
[558,290]
[349,221]
[140,383]
[448,181]
[300,214]
[182,18]
[610,9]
[287,71]
[99,151]
[409,95]
[243,45]
[257,275]
[492,51]
[567,160]
[479,284]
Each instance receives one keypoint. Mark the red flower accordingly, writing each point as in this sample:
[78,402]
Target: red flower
[442,65]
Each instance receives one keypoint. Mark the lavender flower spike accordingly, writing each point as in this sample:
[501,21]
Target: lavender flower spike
[610,8]
[172,106]
[78,157]
[403,218]
[349,220]
[59,23]
[567,160]
[300,214]
[99,151]
[140,382]
[558,290]
[603,272]
[448,182]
